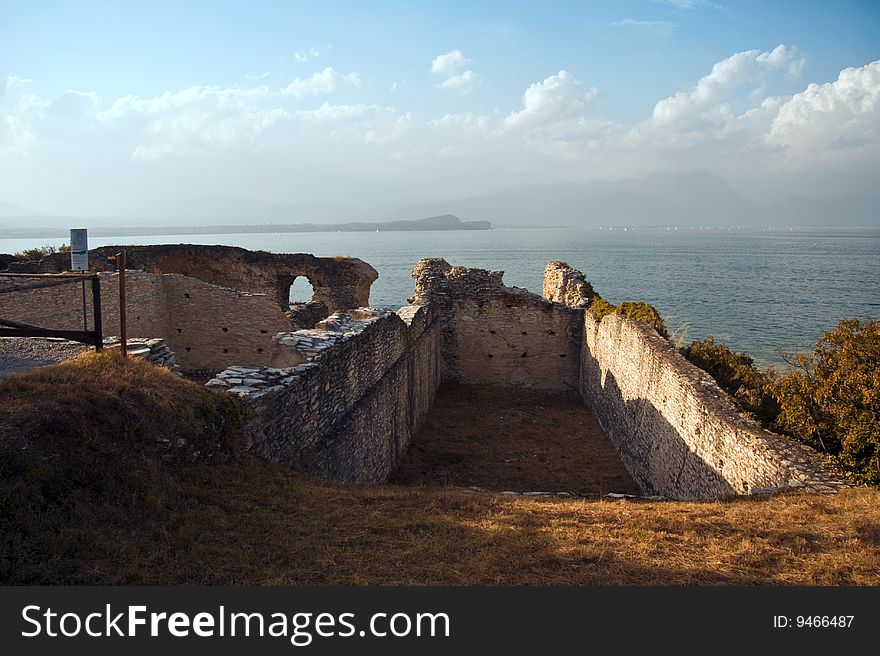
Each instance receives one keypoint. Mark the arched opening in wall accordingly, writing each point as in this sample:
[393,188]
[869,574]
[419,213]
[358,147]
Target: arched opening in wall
[301,291]
[302,309]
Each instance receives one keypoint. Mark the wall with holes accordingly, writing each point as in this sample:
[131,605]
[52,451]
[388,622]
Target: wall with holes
[208,327]
[58,305]
[211,327]
[498,335]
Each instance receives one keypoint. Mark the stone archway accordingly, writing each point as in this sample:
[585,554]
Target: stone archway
[301,291]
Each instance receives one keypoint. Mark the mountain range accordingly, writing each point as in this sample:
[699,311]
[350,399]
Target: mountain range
[690,198]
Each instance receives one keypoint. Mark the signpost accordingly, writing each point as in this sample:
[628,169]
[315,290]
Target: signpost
[79,261]
[79,249]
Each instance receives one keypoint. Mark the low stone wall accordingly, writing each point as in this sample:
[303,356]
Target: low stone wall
[677,432]
[347,412]
[498,335]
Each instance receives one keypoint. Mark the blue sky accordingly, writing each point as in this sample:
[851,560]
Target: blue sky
[356,95]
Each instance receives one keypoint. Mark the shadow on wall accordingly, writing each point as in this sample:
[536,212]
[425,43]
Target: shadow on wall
[651,448]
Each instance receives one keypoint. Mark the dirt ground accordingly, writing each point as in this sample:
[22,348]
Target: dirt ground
[513,439]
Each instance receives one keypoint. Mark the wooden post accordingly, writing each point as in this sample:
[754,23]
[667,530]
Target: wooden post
[85,316]
[123,329]
[96,309]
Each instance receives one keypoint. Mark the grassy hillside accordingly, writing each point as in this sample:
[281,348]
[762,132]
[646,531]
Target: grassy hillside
[117,472]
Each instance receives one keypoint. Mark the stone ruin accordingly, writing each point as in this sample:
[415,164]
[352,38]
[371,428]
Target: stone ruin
[338,389]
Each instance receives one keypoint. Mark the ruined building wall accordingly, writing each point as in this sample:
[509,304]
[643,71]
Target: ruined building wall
[348,411]
[338,282]
[208,327]
[498,335]
[676,431]
[59,306]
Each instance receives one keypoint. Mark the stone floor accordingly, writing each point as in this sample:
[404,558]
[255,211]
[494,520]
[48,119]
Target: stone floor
[513,439]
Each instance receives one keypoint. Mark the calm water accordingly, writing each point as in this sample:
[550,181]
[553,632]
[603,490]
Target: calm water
[754,291]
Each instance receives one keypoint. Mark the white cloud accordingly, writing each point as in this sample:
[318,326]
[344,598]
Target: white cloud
[320,82]
[448,65]
[195,120]
[302,56]
[557,101]
[463,82]
[373,123]
[256,76]
[825,119]
[20,108]
[706,110]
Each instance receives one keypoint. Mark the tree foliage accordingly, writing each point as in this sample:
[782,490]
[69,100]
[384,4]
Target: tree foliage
[39,252]
[737,375]
[635,310]
[831,398]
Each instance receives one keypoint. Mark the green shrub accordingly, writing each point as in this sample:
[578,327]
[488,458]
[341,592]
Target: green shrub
[40,252]
[736,374]
[831,399]
[644,312]
[635,310]
[601,308]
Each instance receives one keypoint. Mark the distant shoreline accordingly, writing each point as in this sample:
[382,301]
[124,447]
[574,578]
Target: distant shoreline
[445,222]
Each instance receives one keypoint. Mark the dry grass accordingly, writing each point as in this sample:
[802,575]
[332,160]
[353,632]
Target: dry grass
[160,517]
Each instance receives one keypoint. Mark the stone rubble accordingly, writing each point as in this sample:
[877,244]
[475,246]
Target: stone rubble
[152,349]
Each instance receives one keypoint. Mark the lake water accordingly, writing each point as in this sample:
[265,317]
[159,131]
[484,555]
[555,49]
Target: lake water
[756,291]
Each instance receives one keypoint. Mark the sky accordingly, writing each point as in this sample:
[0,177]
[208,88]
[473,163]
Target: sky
[143,109]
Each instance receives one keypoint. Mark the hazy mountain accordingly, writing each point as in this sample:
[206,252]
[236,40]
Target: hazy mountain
[690,198]
[844,211]
[10,230]
[221,210]
[10,210]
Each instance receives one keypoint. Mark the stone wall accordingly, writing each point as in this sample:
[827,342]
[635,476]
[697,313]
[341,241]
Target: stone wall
[498,335]
[565,284]
[677,432]
[348,411]
[338,282]
[211,327]
[208,327]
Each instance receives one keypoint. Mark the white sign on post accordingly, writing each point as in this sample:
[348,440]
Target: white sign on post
[79,249]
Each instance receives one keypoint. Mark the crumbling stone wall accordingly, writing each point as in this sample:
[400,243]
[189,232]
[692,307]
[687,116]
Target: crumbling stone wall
[338,282]
[58,304]
[347,412]
[208,327]
[211,327]
[565,284]
[676,431]
[498,335]
[306,315]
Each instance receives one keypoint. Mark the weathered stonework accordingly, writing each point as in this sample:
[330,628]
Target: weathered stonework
[348,411]
[306,315]
[565,284]
[677,432]
[208,327]
[338,282]
[342,397]
[498,335]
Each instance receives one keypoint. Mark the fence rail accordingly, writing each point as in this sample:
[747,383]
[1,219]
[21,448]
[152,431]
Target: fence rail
[9,328]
